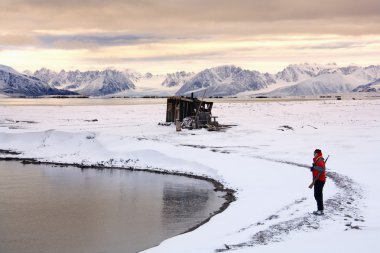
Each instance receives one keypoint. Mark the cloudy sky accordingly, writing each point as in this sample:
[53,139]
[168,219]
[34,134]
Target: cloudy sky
[170,35]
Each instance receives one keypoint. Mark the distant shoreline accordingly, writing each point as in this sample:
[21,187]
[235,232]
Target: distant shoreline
[102,101]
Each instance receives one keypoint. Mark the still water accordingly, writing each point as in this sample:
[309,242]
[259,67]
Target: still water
[49,209]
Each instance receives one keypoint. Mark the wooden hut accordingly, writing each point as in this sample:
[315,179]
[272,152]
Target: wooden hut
[179,108]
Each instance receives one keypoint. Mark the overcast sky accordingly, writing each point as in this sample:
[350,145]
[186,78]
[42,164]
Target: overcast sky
[171,35]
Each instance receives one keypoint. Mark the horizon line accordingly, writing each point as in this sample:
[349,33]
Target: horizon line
[183,70]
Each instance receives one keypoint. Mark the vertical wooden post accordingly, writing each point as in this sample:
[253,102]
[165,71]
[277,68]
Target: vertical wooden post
[178,125]
[177,112]
[199,108]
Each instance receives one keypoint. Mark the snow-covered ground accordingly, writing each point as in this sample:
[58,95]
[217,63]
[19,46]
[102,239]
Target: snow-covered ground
[262,158]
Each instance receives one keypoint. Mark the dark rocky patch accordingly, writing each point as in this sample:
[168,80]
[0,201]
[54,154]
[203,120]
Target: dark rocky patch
[9,152]
[285,128]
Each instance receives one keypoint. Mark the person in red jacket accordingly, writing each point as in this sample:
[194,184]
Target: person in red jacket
[319,170]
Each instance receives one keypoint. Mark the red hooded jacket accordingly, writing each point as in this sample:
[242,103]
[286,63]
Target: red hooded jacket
[319,161]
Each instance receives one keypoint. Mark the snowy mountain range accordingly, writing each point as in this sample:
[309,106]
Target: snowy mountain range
[177,79]
[370,87]
[321,84]
[227,80]
[13,83]
[312,79]
[113,82]
[294,80]
[89,83]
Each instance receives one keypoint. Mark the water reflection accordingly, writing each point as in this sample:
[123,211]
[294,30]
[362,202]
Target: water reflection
[185,205]
[55,209]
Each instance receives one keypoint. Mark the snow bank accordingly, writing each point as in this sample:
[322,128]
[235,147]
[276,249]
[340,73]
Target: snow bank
[261,158]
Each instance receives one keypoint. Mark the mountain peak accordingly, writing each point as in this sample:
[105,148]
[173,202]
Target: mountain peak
[226,80]
[14,83]
[90,83]
[177,79]
[7,69]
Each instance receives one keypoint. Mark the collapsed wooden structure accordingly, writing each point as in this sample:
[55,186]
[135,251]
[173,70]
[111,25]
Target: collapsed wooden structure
[191,112]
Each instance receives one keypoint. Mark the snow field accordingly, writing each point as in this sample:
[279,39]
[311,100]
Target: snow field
[258,158]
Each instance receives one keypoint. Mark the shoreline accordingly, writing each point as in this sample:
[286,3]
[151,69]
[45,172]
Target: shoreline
[229,194]
[118,101]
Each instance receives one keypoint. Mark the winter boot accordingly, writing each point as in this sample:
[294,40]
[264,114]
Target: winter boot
[319,212]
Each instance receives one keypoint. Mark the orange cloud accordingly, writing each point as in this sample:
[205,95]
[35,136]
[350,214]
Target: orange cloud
[187,34]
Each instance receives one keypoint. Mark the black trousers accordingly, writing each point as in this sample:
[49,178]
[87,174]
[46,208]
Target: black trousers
[318,193]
